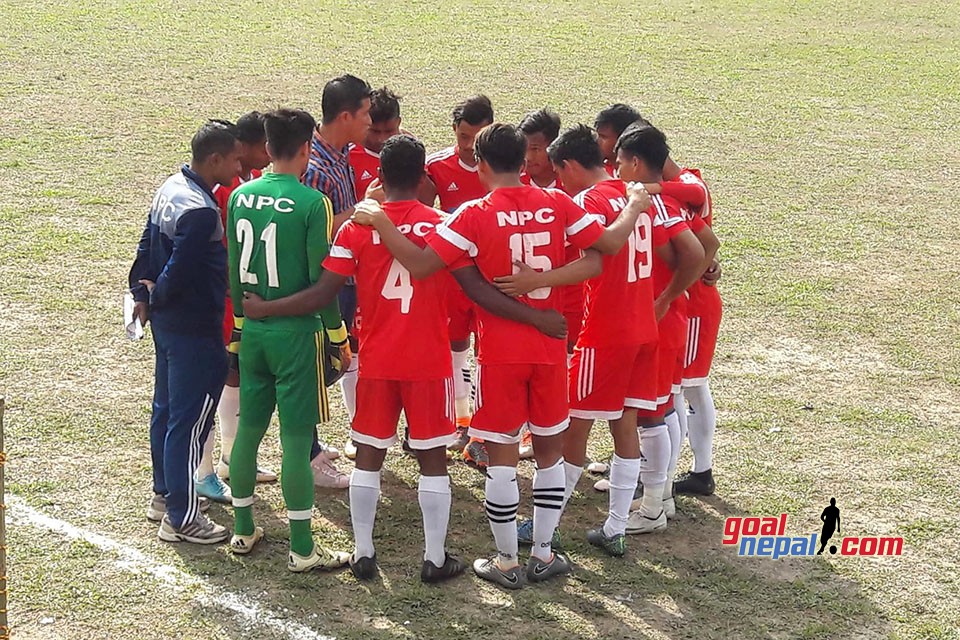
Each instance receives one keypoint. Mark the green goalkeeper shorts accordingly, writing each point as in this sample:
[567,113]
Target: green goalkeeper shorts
[283,369]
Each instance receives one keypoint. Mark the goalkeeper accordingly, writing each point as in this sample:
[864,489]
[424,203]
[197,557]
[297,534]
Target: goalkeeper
[278,235]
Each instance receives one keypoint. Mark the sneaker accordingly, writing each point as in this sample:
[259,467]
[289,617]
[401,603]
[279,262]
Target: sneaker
[475,453]
[598,468]
[602,485]
[329,452]
[350,450]
[526,445]
[364,568]
[488,569]
[328,476]
[669,504]
[615,546]
[539,571]
[158,507]
[431,573]
[212,487]
[638,523]
[695,484]
[244,544]
[462,438]
[319,558]
[200,531]
[525,534]
[263,475]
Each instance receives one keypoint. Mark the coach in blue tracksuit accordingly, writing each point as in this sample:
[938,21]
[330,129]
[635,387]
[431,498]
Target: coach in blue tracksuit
[179,282]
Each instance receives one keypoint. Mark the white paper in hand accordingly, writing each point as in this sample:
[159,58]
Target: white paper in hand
[132,325]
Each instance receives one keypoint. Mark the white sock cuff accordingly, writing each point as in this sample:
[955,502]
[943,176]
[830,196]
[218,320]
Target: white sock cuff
[361,478]
[654,431]
[434,484]
[301,514]
[461,359]
[243,502]
[502,473]
[559,464]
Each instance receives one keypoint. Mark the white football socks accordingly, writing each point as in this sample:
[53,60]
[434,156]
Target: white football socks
[549,486]
[624,473]
[703,423]
[364,495]
[673,432]
[462,380]
[228,412]
[571,473]
[654,460]
[434,494]
[502,501]
[680,404]
[348,387]
[205,467]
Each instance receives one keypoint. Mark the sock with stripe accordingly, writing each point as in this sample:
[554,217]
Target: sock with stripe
[243,469]
[624,473]
[296,481]
[571,473]
[364,495]
[434,495]
[502,501]
[703,424]
[462,381]
[548,489]
[654,460]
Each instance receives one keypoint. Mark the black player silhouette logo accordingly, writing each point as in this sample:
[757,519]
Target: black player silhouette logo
[831,523]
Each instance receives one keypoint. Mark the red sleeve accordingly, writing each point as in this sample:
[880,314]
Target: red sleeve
[222,196]
[582,228]
[691,193]
[453,238]
[696,224]
[342,258]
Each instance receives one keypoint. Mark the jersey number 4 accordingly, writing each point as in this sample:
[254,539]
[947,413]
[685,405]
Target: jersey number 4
[397,286]
[523,248]
[246,237]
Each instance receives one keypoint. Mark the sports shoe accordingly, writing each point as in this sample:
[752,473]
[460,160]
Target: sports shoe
[475,453]
[526,445]
[669,504]
[695,484]
[638,523]
[319,558]
[539,571]
[602,485]
[212,487]
[200,531]
[488,569]
[615,546]
[525,534]
[598,468]
[462,438]
[431,573]
[364,568]
[670,508]
[328,476]
[158,507]
[350,450]
[329,452]
[244,544]
[263,475]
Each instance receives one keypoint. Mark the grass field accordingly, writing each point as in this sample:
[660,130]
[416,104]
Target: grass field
[829,134]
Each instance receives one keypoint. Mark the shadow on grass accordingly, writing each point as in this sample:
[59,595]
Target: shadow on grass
[681,583]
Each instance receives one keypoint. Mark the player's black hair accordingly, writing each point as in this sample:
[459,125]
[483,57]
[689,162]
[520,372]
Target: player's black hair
[645,142]
[542,121]
[501,146]
[618,117]
[216,136]
[402,161]
[287,130]
[343,93]
[475,111]
[384,105]
[250,128]
[578,143]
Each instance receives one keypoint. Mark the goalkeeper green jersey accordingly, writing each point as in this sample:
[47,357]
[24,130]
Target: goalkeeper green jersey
[278,233]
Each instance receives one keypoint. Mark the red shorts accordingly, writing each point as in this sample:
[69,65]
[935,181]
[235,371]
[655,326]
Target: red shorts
[705,310]
[463,317]
[574,318]
[604,380]
[227,321]
[510,396]
[427,405]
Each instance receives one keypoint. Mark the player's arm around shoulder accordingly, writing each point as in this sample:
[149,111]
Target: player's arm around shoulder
[615,236]
[421,263]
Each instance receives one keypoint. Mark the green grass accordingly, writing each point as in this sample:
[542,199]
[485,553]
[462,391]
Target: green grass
[828,133]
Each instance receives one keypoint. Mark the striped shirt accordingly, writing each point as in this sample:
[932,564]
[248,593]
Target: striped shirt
[329,172]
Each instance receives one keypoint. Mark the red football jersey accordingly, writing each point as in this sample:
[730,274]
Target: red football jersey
[456,181]
[366,165]
[222,194]
[668,223]
[404,333]
[618,304]
[692,193]
[525,224]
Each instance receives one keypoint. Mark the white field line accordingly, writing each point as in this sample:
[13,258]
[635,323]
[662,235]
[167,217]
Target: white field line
[129,559]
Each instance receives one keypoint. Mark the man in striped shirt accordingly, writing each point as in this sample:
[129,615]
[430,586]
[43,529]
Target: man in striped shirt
[345,107]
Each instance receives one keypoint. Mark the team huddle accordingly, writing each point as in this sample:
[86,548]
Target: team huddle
[579,263]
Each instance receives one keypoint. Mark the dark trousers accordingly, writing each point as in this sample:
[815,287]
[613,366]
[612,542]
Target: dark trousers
[188,380]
